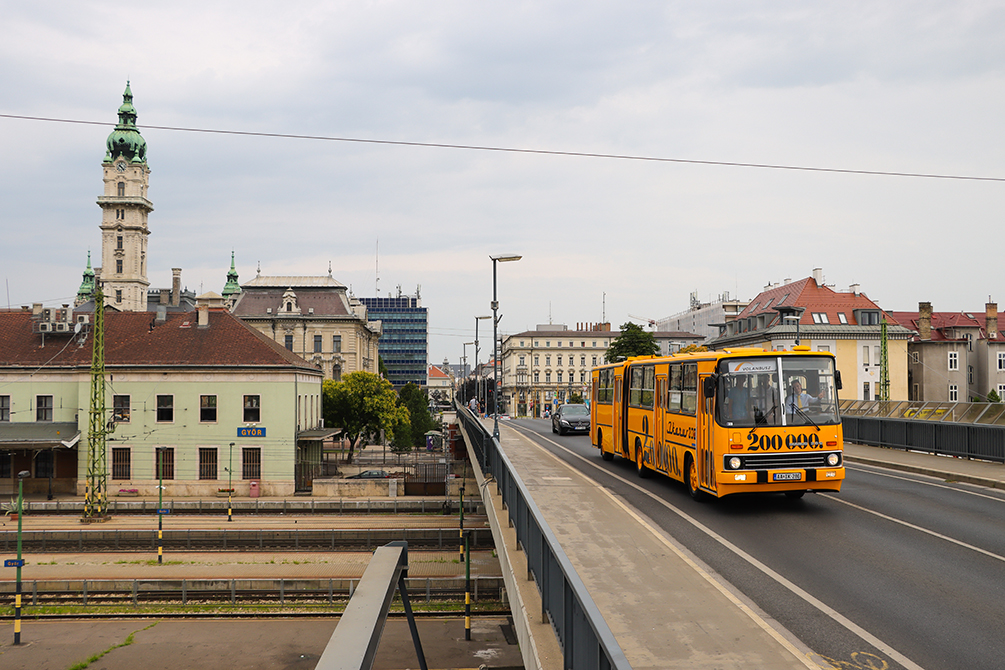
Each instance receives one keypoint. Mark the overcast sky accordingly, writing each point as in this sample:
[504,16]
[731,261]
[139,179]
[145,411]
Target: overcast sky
[888,86]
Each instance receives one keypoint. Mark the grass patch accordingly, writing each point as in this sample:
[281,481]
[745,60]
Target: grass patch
[97,657]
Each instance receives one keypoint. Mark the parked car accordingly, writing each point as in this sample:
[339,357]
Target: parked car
[371,474]
[571,419]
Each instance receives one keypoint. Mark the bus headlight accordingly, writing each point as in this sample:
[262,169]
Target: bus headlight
[833,459]
[734,463]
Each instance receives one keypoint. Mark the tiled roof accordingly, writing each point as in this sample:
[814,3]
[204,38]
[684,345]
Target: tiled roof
[942,321]
[325,302]
[137,339]
[437,373]
[815,299]
[295,282]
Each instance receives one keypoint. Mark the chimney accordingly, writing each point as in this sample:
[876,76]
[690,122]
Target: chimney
[165,296]
[991,319]
[925,320]
[854,288]
[818,276]
[36,309]
[175,286]
[203,311]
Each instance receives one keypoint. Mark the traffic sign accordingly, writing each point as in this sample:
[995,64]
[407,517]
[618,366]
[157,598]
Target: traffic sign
[13,563]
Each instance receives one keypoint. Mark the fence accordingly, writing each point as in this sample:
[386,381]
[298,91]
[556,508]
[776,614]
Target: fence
[586,640]
[962,429]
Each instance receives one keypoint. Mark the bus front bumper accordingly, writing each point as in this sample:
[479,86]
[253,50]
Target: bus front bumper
[786,479]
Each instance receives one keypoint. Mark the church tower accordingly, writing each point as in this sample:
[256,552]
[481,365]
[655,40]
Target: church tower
[124,211]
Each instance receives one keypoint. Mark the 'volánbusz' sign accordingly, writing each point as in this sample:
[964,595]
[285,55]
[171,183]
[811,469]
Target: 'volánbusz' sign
[251,431]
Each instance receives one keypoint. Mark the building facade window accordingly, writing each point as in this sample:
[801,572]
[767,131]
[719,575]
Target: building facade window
[954,393]
[251,463]
[207,463]
[207,408]
[594,361]
[559,373]
[44,465]
[121,409]
[1001,360]
[547,377]
[118,265]
[164,463]
[537,377]
[118,240]
[547,359]
[537,360]
[288,342]
[865,390]
[954,360]
[523,360]
[865,355]
[4,408]
[252,409]
[165,408]
[559,359]
[121,462]
[43,408]
[317,344]
[121,189]
[582,361]
[1001,391]
[337,344]
[118,295]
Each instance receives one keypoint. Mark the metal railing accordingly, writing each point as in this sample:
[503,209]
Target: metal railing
[973,430]
[585,638]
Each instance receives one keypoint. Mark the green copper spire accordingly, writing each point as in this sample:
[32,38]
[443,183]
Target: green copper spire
[86,290]
[126,140]
[232,288]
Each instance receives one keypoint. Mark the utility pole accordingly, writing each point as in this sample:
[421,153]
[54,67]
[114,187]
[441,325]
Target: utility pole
[884,363]
[96,486]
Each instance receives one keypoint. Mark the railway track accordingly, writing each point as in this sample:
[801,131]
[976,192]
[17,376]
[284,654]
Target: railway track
[51,541]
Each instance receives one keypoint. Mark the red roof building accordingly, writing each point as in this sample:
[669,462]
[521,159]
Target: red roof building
[208,388]
[847,323]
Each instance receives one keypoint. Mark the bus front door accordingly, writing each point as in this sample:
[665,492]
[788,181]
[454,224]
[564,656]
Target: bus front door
[704,442]
[618,418]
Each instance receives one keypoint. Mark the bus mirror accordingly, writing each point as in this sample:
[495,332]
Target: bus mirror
[837,379]
[708,388]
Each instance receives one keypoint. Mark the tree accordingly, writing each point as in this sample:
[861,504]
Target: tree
[692,348]
[633,341]
[993,396]
[361,404]
[382,368]
[575,398]
[414,399]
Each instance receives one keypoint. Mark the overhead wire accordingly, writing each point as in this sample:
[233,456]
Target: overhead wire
[518,150]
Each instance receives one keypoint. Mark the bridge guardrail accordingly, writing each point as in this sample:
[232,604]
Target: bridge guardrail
[586,640]
[964,430]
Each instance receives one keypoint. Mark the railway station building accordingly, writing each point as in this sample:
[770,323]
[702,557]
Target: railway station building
[225,404]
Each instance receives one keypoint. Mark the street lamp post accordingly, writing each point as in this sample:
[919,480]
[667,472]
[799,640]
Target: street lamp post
[17,590]
[160,506]
[479,390]
[501,258]
[230,485]
[464,367]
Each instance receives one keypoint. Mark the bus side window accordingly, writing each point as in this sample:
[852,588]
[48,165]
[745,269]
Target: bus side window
[689,389]
[675,380]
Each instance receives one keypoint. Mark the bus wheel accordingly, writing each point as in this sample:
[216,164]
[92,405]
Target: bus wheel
[795,495]
[606,455]
[692,480]
[640,467]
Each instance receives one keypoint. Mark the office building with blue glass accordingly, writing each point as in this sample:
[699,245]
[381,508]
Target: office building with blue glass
[402,344]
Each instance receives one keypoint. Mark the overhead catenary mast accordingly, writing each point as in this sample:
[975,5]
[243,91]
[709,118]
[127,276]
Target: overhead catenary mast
[96,486]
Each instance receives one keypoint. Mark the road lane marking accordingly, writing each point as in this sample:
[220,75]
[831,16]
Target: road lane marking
[836,616]
[872,470]
[913,527]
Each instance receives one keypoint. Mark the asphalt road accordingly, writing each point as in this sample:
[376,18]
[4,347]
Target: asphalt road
[896,571]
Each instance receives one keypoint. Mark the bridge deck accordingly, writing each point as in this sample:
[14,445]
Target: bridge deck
[664,609]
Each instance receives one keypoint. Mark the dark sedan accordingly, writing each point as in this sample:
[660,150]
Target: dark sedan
[371,474]
[571,419]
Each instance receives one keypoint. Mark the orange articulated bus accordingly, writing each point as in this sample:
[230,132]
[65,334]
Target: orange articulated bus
[723,422]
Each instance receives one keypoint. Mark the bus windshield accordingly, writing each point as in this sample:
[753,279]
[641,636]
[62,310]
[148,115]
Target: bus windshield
[777,391]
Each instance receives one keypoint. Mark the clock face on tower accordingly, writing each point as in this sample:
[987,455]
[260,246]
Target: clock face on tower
[120,166]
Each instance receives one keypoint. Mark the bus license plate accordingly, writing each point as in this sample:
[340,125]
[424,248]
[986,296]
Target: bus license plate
[787,476]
